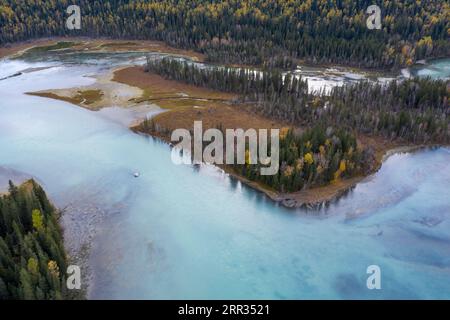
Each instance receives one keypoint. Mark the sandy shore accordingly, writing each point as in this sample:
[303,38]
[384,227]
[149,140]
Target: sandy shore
[101,94]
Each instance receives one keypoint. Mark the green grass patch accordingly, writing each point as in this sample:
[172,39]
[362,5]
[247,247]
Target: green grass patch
[57,46]
[118,44]
[88,96]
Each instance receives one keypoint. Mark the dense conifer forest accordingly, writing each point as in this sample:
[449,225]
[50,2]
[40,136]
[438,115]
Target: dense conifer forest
[415,110]
[250,49]
[276,35]
[313,158]
[32,257]
[265,32]
[411,111]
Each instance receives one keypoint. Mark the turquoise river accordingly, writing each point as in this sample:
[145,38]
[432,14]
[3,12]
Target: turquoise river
[183,232]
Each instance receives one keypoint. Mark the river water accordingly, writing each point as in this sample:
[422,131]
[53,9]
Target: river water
[186,233]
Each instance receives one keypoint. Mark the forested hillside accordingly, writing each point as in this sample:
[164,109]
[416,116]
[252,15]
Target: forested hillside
[32,256]
[265,32]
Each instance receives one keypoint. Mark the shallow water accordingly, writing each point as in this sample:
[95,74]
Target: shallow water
[184,232]
[437,69]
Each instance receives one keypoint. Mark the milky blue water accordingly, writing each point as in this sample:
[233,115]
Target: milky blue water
[437,69]
[187,233]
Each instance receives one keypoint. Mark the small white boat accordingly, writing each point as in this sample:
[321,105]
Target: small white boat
[136,174]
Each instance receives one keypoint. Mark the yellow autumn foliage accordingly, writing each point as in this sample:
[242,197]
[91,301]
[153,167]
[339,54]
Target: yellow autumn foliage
[309,158]
[247,157]
[33,266]
[350,151]
[53,268]
[37,219]
[337,174]
[299,164]
[7,11]
[319,169]
[283,132]
[342,166]
[322,150]
[288,171]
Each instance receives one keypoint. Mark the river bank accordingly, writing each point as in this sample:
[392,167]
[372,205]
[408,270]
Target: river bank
[315,197]
[101,94]
[228,115]
[176,228]
[181,104]
[94,45]
[129,87]
[22,203]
